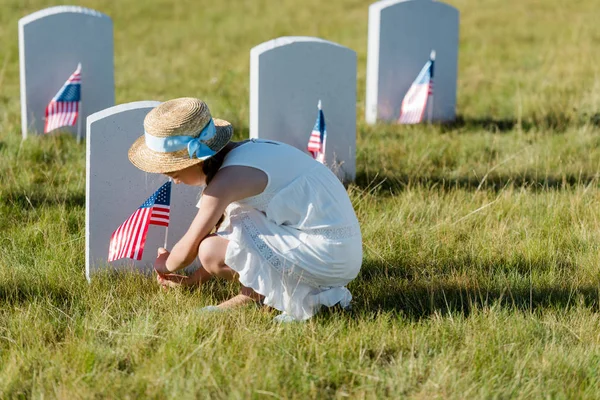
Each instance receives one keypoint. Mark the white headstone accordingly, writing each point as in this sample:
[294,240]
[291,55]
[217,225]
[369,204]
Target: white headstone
[288,77]
[51,44]
[115,188]
[402,34]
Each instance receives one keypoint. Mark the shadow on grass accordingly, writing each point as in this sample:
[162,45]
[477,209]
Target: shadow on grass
[556,122]
[37,199]
[379,288]
[22,291]
[397,183]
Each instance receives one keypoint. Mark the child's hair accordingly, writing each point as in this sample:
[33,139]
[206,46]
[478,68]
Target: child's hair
[210,167]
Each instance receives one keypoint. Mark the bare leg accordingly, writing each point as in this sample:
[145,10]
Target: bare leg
[212,256]
[246,296]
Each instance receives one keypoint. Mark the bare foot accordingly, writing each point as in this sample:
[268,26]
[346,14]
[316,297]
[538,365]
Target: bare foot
[238,301]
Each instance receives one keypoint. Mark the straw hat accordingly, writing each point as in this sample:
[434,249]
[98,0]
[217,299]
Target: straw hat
[178,134]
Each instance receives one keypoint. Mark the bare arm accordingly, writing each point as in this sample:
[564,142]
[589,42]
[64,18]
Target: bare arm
[229,184]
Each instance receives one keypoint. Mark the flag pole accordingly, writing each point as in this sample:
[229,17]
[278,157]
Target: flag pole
[166,236]
[323,144]
[430,103]
[430,109]
[167,228]
[80,112]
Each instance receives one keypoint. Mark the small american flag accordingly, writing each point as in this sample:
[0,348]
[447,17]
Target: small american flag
[318,138]
[415,101]
[63,109]
[129,238]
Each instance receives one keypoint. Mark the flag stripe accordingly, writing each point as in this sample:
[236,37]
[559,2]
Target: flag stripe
[138,228]
[112,255]
[122,236]
[160,223]
[159,215]
[140,237]
[129,234]
[128,231]
[125,230]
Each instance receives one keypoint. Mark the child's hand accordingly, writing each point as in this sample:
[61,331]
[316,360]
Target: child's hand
[160,265]
[174,280]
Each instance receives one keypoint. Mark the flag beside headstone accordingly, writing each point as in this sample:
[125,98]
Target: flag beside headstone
[52,41]
[318,137]
[416,99]
[129,239]
[63,109]
[288,75]
[401,35]
[113,187]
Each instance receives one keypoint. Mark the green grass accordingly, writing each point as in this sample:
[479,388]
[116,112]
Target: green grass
[481,238]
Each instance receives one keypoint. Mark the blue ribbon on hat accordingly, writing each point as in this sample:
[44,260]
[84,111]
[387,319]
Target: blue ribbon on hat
[196,146]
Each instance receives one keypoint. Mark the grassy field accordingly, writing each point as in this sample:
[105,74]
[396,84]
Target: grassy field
[480,274]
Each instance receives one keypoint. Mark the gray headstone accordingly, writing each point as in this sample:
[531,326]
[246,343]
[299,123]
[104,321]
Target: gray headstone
[288,76]
[402,34]
[115,188]
[51,44]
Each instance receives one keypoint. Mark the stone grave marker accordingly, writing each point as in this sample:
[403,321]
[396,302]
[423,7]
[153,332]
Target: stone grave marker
[288,77]
[115,188]
[52,42]
[402,33]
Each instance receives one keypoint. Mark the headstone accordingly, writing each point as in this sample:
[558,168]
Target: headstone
[288,77]
[115,188]
[402,34]
[52,42]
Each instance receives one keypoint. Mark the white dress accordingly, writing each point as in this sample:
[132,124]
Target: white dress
[298,243]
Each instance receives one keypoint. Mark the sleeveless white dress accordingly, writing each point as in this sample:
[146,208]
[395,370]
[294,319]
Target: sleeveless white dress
[298,243]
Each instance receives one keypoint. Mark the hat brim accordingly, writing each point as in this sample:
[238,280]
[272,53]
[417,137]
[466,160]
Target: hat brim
[159,163]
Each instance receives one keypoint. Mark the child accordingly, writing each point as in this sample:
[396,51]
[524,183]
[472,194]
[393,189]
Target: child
[291,236]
